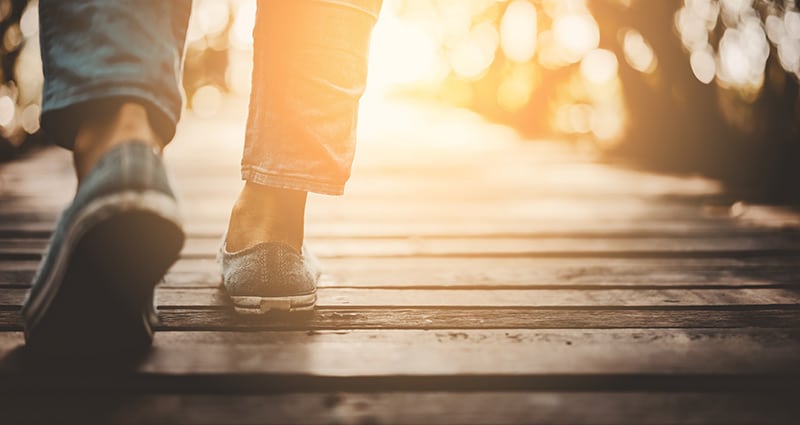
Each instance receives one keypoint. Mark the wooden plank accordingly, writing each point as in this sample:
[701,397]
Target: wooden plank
[476,352]
[371,229]
[509,273]
[544,298]
[468,318]
[509,352]
[39,225]
[435,408]
[460,246]
[550,272]
[434,318]
[524,272]
[515,246]
[535,298]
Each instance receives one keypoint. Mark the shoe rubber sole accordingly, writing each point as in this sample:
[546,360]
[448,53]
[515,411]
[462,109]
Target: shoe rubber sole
[261,305]
[99,294]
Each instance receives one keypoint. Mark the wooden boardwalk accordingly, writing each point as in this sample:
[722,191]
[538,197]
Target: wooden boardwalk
[469,278]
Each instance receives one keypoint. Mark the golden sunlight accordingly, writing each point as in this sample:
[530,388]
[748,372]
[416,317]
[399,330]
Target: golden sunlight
[403,52]
[485,55]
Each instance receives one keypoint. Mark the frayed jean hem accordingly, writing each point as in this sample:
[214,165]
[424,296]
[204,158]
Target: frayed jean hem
[282,181]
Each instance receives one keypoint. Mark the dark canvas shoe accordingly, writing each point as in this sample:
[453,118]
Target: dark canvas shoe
[270,276]
[93,290]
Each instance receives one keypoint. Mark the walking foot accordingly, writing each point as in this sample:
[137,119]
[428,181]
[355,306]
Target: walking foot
[93,291]
[265,266]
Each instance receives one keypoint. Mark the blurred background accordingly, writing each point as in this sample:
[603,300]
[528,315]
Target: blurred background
[679,86]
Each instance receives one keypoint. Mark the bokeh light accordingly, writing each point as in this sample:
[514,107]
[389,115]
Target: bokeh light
[740,59]
[599,66]
[30,118]
[206,101]
[577,34]
[703,65]
[638,52]
[243,22]
[8,110]
[208,17]
[518,31]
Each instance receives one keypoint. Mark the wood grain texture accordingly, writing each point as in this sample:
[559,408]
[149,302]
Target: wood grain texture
[503,352]
[464,298]
[490,247]
[177,319]
[33,226]
[435,408]
[508,273]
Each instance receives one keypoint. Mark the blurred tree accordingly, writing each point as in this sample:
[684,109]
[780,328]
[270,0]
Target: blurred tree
[698,86]
[677,123]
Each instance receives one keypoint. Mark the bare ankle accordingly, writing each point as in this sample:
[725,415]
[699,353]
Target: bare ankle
[267,214]
[97,135]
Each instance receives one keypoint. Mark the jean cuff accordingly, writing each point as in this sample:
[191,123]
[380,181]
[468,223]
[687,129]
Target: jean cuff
[262,177]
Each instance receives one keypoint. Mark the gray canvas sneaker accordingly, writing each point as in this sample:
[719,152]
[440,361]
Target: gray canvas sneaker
[93,290]
[270,276]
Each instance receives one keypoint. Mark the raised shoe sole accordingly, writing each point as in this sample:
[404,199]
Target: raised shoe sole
[98,297]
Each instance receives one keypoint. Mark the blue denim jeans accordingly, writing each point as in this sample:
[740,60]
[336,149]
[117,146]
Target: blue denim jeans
[310,63]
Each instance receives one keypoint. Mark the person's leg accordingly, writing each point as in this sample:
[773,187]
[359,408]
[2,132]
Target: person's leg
[111,94]
[310,69]
[112,72]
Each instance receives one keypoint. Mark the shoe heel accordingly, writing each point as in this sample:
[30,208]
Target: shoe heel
[130,253]
[105,302]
